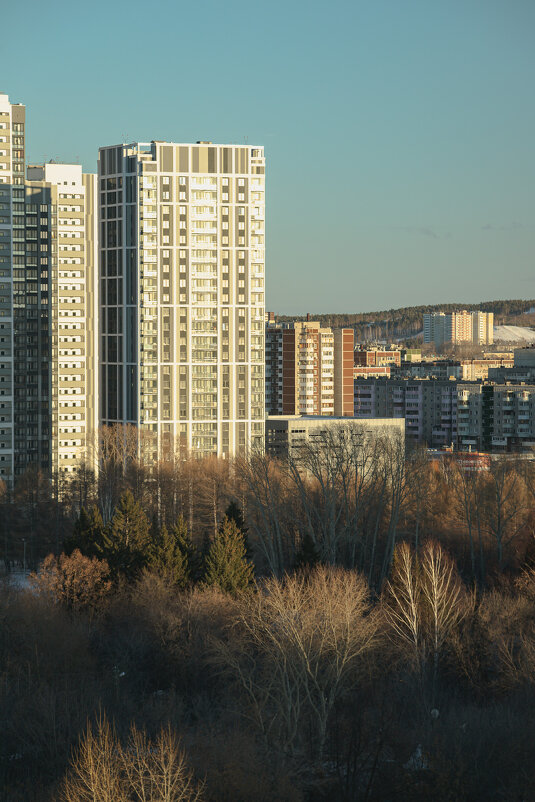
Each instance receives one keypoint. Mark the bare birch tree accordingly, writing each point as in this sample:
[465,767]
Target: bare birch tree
[296,650]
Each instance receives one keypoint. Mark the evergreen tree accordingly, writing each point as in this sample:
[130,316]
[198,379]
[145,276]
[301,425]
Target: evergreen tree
[173,554]
[226,565]
[234,513]
[126,543]
[307,556]
[87,533]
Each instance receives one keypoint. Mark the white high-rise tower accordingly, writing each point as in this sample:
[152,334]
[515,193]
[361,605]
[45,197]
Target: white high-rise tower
[182,295]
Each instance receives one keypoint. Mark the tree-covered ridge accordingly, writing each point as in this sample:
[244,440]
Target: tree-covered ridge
[407,321]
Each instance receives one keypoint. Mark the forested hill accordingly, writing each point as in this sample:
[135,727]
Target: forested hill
[408,321]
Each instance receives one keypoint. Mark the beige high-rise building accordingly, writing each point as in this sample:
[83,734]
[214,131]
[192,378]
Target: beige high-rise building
[48,307]
[182,282]
[12,254]
[459,327]
[61,225]
[309,369]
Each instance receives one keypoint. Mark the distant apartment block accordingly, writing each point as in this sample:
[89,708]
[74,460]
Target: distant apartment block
[459,327]
[464,369]
[496,417]
[429,407]
[309,370]
[484,416]
[374,358]
[182,277]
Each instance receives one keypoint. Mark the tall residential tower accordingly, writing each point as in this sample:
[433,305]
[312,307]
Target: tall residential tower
[12,259]
[182,295]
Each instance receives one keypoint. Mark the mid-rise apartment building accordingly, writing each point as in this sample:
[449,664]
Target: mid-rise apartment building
[371,357]
[483,416]
[459,327]
[465,369]
[182,283]
[429,406]
[496,417]
[309,370]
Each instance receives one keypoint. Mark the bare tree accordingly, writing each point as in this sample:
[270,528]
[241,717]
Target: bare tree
[268,501]
[102,770]
[504,504]
[296,650]
[423,602]
[96,772]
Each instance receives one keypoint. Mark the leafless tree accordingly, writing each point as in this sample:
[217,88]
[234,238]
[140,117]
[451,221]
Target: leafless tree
[102,770]
[296,649]
[96,773]
[268,499]
[505,505]
[423,602]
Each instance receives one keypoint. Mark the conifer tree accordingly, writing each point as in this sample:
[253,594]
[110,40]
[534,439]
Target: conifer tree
[173,554]
[126,542]
[227,566]
[234,513]
[307,556]
[87,533]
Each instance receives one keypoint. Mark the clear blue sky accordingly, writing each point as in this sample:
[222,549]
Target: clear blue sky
[399,134]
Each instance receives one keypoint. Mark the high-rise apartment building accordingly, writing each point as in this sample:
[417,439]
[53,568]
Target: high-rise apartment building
[309,370]
[459,327]
[12,254]
[56,341]
[48,307]
[482,328]
[182,295]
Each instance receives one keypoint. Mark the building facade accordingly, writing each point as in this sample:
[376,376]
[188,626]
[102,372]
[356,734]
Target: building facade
[182,295]
[309,370]
[12,257]
[288,435]
[496,417]
[459,327]
[48,307]
[428,406]
[60,415]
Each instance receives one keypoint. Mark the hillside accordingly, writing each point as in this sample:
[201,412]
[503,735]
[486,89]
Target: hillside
[407,322]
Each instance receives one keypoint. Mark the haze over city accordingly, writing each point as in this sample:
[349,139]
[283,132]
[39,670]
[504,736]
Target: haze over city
[398,136]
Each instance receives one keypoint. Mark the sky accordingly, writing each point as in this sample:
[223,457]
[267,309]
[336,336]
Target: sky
[399,136]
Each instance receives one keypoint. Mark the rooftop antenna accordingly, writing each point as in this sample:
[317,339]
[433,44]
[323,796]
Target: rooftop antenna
[125,139]
[246,140]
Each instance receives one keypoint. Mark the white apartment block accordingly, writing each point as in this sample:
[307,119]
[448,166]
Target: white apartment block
[182,295]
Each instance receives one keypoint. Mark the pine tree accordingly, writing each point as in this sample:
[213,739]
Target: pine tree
[234,513]
[87,533]
[173,554]
[307,556]
[126,543]
[226,565]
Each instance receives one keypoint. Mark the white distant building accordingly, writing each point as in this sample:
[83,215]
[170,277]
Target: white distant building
[459,327]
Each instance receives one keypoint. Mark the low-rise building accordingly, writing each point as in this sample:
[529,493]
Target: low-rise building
[289,435]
